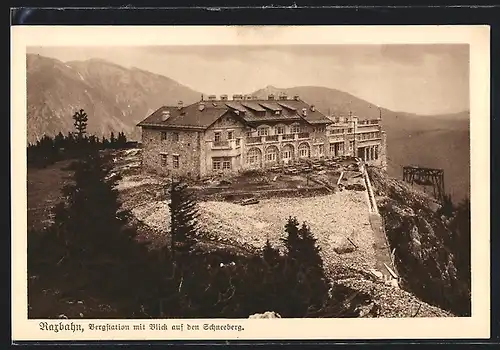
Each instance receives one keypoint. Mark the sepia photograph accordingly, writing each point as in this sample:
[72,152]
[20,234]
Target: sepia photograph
[269,179]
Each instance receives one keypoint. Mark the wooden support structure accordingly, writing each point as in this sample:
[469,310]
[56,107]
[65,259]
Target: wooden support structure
[428,177]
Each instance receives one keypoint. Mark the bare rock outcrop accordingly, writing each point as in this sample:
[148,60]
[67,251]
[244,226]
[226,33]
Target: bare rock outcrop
[267,314]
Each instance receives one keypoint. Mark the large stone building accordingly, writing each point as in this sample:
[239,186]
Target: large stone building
[218,135]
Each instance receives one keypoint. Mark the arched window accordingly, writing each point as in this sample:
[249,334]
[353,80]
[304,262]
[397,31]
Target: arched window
[254,156]
[272,154]
[304,150]
[287,153]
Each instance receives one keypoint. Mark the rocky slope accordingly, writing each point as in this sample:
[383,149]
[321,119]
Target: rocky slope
[430,248]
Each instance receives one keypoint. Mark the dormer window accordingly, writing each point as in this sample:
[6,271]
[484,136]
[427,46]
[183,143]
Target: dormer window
[277,112]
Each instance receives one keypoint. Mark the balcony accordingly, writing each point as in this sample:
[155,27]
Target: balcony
[253,139]
[272,138]
[303,135]
[221,145]
[288,137]
[333,138]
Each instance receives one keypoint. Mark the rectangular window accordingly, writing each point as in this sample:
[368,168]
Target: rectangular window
[221,163]
[175,159]
[280,130]
[230,135]
[249,134]
[163,135]
[349,130]
[226,164]
[175,137]
[216,164]
[295,129]
[332,148]
[163,160]
[217,136]
[263,132]
[238,142]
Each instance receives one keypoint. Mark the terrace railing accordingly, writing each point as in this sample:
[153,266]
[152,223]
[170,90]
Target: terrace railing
[254,139]
[288,136]
[303,135]
[271,138]
[221,144]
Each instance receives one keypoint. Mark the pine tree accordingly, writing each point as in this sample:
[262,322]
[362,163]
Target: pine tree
[105,143]
[183,218]
[292,239]
[112,140]
[80,123]
[307,286]
[312,264]
[270,254]
[59,140]
[122,139]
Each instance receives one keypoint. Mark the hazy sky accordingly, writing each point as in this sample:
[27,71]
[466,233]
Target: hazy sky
[423,79]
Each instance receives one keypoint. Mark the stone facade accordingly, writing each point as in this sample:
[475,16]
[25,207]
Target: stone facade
[172,152]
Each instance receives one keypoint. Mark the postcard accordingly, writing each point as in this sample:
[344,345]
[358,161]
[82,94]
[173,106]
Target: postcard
[250,182]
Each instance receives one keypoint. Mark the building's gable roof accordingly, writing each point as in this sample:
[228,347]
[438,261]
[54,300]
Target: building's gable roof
[187,117]
[248,111]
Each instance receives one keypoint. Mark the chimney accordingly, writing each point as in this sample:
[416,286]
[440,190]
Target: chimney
[165,114]
[248,97]
[296,97]
[212,97]
[201,106]
[237,97]
[270,97]
[304,112]
[180,104]
[223,97]
[283,96]
[313,108]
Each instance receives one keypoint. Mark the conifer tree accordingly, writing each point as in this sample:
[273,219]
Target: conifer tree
[105,143]
[303,271]
[122,139]
[80,123]
[312,263]
[270,254]
[183,218]
[292,239]
[112,140]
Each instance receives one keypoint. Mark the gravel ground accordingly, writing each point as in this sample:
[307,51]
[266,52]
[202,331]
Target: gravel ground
[332,218]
